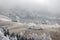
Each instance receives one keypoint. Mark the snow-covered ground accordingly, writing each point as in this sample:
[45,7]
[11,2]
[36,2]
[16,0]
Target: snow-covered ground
[4,18]
[43,26]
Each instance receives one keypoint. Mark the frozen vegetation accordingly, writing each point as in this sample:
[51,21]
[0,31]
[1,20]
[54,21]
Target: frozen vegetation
[7,36]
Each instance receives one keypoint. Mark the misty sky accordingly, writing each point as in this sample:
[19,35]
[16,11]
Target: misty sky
[52,6]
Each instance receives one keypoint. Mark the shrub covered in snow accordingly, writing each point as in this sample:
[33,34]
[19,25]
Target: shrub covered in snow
[33,26]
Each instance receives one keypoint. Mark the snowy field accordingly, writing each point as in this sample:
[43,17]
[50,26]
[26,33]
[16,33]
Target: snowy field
[28,31]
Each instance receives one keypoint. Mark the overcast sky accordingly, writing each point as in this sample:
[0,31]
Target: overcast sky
[53,6]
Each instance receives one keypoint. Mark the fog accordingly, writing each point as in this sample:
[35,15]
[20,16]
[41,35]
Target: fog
[51,7]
